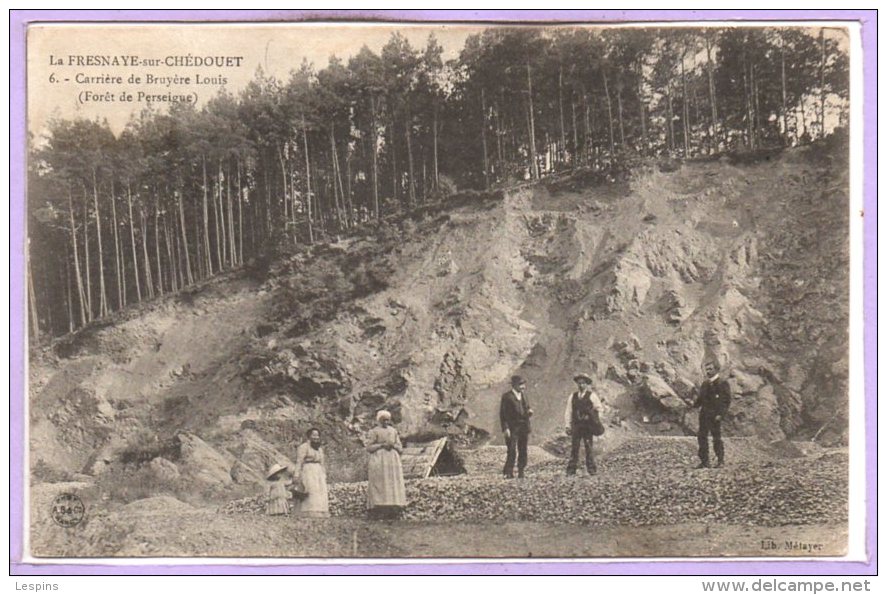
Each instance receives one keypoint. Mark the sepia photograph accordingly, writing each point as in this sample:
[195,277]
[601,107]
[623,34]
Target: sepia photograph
[440,290]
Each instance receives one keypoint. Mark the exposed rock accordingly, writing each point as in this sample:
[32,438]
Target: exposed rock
[242,474]
[254,455]
[756,415]
[655,388]
[202,462]
[164,469]
[684,388]
[745,383]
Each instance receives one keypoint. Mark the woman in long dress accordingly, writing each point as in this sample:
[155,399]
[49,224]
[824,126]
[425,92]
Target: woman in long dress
[311,471]
[386,493]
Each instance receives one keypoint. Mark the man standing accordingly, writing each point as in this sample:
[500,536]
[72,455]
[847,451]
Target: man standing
[713,401]
[514,414]
[583,406]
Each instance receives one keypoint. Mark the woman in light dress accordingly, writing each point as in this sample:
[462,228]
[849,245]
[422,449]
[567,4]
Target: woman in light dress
[386,493]
[275,490]
[311,471]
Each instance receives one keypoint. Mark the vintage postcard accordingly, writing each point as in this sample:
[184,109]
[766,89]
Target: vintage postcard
[340,291]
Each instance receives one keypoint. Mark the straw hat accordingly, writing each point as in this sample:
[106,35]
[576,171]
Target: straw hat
[274,470]
[582,376]
[383,414]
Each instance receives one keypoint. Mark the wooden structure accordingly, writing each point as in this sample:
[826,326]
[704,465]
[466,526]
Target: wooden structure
[427,459]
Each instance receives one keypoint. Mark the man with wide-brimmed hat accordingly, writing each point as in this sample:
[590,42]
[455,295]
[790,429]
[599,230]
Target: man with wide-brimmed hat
[514,415]
[713,400]
[582,422]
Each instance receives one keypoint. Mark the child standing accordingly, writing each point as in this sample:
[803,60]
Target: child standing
[275,491]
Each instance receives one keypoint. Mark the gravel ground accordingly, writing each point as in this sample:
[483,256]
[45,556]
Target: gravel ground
[645,481]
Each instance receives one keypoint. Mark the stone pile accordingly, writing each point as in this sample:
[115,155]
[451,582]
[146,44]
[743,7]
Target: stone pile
[642,482]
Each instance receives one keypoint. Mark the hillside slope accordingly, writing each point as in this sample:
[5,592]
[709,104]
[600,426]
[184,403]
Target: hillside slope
[636,282]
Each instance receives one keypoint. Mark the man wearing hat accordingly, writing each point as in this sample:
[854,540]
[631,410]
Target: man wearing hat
[579,420]
[514,414]
[713,400]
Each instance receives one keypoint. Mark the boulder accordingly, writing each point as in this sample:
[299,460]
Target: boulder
[684,388]
[164,469]
[202,462]
[656,389]
[745,383]
[241,474]
[254,455]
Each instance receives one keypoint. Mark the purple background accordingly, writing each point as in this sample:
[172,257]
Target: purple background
[19,20]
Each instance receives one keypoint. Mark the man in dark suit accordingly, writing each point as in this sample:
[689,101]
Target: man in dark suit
[713,400]
[514,414]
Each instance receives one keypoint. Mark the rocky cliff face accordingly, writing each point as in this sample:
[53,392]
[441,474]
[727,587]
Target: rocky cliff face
[634,282]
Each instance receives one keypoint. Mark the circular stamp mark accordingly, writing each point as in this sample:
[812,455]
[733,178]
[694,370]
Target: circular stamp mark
[68,510]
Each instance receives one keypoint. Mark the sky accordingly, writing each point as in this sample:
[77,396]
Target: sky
[58,57]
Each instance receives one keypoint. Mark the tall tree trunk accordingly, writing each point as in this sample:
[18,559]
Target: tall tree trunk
[642,111]
[173,284]
[207,251]
[671,139]
[223,225]
[232,240]
[308,183]
[149,277]
[685,100]
[338,190]
[534,163]
[118,266]
[395,183]
[89,311]
[409,135]
[785,133]
[157,249]
[587,139]
[747,97]
[375,152]
[32,301]
[610,116]
[499,133]
[286,196]
[803,117]
[81,296]
[103,295]
[575,148]
[756,105]
[436,179]
[220,260]
[712,97]
[619,111]
[821,82]
[349,195]
[560,104]
[240,215]
[189,278]
[483,137]
[70,298]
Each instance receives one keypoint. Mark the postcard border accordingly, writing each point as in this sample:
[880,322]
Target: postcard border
[20,19]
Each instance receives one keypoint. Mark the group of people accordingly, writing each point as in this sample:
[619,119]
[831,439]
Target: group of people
[583,420]
[386,492]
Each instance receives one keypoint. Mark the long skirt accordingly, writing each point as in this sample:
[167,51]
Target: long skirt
[317,504]
[385,486]
[276,506]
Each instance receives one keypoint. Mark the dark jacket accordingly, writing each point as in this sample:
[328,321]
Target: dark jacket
[714,397]
[514,414]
